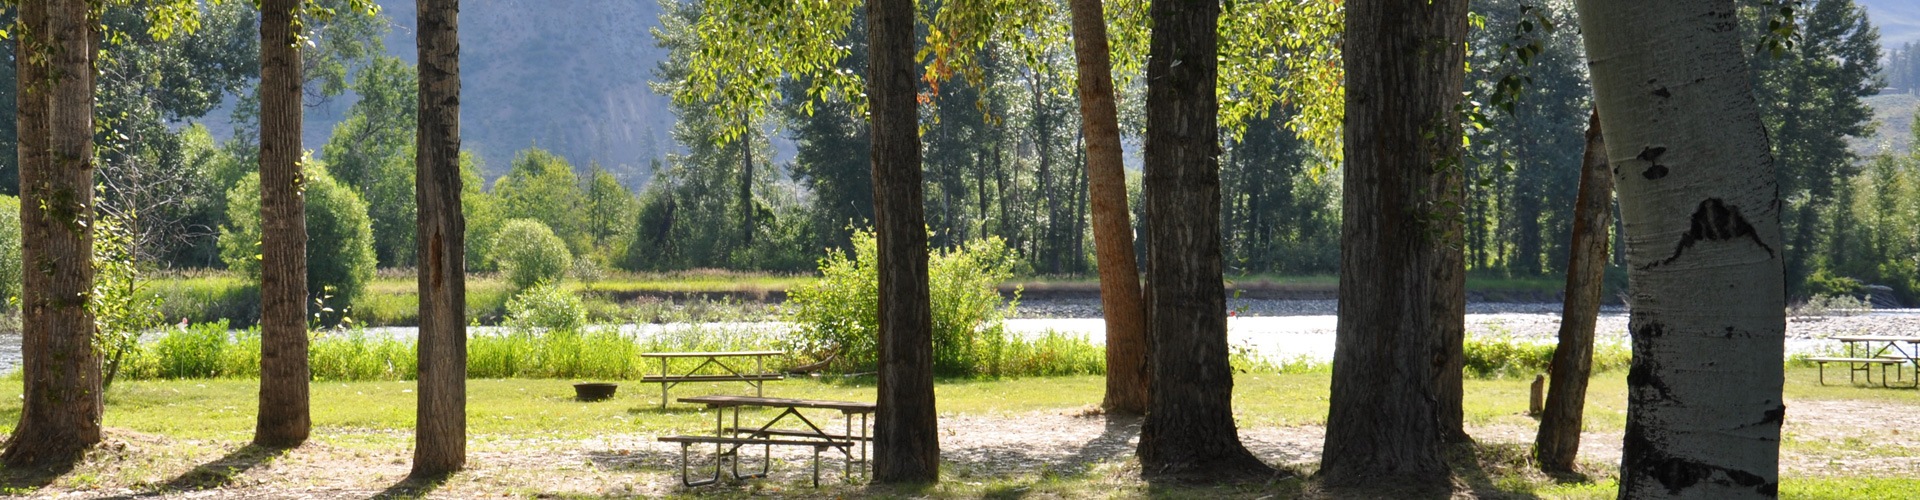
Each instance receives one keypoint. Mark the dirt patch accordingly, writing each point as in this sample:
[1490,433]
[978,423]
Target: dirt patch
[1822,438]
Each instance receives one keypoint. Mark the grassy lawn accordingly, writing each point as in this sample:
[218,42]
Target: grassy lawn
[529,438]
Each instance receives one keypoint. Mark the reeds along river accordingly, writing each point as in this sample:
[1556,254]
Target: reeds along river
[1298,334]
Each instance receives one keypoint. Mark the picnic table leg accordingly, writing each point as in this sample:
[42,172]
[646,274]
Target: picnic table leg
[686,477]
[663,383]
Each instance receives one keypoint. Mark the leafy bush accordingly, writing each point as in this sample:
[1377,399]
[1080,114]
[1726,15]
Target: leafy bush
[340,258]
[1830,305]
[548,307]
[1506,357]
[529,253]
[9,248]
[839,313]
[122,306]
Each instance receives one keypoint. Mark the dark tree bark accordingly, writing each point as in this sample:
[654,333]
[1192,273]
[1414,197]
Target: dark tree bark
[1124,310]
[1189,431]
[1396,375]
[441,419]
[283,419]
[906,441]
[1558,442]
[61,401]
[746,185]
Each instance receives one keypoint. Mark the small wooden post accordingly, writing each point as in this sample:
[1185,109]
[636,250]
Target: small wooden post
[1537,402]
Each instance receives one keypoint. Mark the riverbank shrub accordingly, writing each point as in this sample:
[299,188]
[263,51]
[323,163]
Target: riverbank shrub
[546,307]
[529,253]
[10,276]
[340,258]
[1507,357]
[839,313]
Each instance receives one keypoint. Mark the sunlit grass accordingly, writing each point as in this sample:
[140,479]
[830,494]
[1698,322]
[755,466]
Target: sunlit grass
[375,418]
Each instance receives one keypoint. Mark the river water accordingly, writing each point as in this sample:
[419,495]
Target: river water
[1298,332]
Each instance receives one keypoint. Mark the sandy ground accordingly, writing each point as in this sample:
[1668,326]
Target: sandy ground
[1825,438]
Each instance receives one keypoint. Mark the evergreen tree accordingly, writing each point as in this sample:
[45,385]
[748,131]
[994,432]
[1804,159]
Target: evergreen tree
[1812,100]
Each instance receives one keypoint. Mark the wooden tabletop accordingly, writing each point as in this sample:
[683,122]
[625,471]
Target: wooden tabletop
[1875,338]
[716,354]
[718,401]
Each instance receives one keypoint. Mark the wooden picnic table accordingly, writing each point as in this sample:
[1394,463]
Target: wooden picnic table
[1867,351]
[728,440]
[756,377]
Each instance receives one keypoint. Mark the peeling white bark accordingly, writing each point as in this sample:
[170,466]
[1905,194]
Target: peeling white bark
[1701,210]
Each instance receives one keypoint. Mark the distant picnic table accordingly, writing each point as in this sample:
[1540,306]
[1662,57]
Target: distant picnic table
[1864,352]
[726,361]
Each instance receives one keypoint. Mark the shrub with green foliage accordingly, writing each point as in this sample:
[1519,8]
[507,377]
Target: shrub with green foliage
[839,313]
[1506,357]
[529,253]
[122,306]
[340,257]
[546,306]
[9,248]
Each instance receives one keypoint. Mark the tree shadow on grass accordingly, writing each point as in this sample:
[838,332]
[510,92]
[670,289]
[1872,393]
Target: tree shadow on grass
[222,471]
[1470,466]
[413,487]
[25,480]
[1115,441]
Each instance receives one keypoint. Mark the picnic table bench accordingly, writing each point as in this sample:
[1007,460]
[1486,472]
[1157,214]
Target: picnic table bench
[756,377]
[1867,351]
[728,440]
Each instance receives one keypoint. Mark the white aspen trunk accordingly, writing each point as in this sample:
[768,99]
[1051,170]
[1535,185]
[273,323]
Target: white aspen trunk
[1701,209]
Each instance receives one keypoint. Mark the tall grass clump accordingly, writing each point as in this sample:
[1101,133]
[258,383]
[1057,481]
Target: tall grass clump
[204,350]
[1050,354]
[209,298]
[1507,357]
[353,354]
[839,313]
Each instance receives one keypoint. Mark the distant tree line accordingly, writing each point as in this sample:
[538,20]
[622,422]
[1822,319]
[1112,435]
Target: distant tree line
[1004,158]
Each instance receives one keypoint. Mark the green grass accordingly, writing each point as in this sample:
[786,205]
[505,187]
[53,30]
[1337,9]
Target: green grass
[176,424]
[1801,488]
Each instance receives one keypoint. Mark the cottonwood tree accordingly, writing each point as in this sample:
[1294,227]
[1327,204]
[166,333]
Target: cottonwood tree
[1401,278]
[1558,442]
[906,441]
[441,421]
[1701,208]
[1121,305]
[1189,430]
[1305,75]
[61,401]
[283,419]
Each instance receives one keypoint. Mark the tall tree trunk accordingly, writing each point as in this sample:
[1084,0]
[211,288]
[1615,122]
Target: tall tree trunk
[283,418]
[1189,431]
[61,401]
[1048,243]
[746,185]
[441,417]
[1123,309]
[1701,207]
[1079,232]
[1396,373]
[906,440]
[1558,442]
